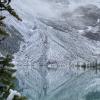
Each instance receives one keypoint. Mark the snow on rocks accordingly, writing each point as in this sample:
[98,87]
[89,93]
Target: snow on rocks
[12,94]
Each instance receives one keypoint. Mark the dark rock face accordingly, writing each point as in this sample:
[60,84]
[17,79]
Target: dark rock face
[93,36]
[85,16]
[11,43]
[90,14]
[82,16]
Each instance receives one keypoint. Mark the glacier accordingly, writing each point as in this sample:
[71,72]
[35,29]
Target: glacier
[57,34]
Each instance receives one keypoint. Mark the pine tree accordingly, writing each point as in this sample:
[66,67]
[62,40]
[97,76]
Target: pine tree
[95,66]
[6,76]
[4,5]
[84,66]
[7,80]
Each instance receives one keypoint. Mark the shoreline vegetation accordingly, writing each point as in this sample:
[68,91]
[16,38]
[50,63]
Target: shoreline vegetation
[94,66]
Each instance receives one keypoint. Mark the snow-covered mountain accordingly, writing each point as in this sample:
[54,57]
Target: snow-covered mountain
[57,34]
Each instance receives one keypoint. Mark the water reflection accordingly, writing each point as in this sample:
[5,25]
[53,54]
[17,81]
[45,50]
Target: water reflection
[93,96]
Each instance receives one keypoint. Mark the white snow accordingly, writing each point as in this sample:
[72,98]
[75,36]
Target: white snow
[81,31]
[12,94]
[98,21]
[89,28]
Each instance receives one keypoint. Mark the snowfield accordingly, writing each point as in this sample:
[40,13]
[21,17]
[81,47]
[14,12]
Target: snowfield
[57,34]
